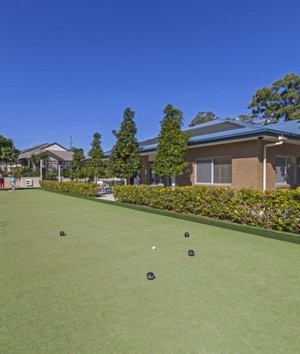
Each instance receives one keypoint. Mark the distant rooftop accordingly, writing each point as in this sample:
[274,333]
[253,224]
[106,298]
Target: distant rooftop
[37,149]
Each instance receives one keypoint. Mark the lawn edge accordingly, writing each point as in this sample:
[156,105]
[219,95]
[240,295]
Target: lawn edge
[253,230]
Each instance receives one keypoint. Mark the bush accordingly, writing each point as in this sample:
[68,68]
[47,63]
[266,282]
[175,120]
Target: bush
[277,210]
[66,173]
[77,188]
[22,171]
[50,176]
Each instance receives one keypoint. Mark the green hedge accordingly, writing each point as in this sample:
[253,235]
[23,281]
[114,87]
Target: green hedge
[277,210]
[76,188]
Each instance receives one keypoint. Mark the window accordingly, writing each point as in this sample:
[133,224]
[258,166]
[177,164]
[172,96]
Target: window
[286,170]
[154,180]
[216,170]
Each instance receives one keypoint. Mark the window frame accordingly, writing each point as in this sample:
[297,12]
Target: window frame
[286,183]
[212,171]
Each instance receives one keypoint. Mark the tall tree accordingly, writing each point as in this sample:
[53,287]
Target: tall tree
[8,152]
[125,160]
[203,117]
[77,163]
[95,165]
[172,143]
[280,101]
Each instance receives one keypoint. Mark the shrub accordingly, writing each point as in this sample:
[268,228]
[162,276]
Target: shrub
[277,210]
[77,188]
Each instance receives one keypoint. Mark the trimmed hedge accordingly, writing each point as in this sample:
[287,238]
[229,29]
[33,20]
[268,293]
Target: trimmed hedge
[276,210]
[76,188]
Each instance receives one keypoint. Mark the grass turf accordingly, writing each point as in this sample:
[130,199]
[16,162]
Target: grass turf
[87,292]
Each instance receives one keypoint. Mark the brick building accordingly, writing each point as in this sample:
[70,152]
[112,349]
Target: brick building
[237,155]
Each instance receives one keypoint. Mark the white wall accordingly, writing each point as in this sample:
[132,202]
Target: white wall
[55,147]
[25,182]
[21,182]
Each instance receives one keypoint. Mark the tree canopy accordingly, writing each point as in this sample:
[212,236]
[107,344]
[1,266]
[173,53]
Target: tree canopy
[36,159]
[8,152]
[280,101]
[125,160]
[77,163]
[172,143]
[95,166]
[203,117]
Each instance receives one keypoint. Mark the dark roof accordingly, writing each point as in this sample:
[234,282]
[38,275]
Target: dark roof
[201,130]
[219,130]
[35,147]
[204,129]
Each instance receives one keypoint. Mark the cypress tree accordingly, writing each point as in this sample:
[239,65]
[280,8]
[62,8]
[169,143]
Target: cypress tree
[125,159]
[172,142]
[77,164]
[95,165]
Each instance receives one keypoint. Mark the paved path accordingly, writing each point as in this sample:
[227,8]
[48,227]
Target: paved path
[109,197]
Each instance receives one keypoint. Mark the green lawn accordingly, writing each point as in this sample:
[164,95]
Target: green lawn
[87,292]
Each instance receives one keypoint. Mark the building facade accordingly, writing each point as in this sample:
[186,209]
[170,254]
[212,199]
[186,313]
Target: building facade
[236,155]
[55,157]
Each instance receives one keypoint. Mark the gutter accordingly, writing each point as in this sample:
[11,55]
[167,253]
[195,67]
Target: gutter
[280,142]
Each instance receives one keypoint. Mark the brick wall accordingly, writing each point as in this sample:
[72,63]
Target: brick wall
[281,150]
[247,163]
[144,170]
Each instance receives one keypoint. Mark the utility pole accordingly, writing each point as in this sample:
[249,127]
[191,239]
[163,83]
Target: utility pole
[71,142]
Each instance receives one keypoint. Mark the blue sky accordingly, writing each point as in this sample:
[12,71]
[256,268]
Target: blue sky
[71,67]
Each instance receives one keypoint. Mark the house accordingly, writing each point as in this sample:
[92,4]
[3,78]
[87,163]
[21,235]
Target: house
[55,155]
[237,155]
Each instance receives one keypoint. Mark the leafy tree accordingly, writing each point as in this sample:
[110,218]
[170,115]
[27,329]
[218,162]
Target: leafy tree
[95,166]
[203,117]
[9,155]
[172,143]
[106,171]
[36,159]
[125,159]
[22,171]
[8,152]
[281,100]
[77,164]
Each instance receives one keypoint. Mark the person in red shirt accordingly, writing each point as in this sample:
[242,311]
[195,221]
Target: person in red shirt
[2,185]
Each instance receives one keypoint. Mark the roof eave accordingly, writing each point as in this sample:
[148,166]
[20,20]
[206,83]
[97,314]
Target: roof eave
[267,135]
[247,136]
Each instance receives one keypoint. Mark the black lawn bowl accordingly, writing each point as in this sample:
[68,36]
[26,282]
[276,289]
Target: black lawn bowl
[150,276]
[186,234]
[62,233]
[191,253]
